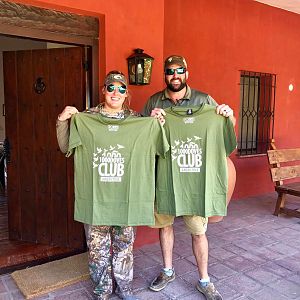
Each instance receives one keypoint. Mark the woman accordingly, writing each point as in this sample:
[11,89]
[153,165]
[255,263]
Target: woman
[110,247]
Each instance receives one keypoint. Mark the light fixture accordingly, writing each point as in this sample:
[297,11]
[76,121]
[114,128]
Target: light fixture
[139,67]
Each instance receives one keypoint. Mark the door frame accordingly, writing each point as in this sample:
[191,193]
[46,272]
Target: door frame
[28,21]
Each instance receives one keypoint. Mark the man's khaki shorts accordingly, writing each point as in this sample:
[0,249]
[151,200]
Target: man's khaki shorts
[194,224]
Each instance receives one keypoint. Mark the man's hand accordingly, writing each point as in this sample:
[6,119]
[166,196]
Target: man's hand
[159,114]
[226,111]
[67,113]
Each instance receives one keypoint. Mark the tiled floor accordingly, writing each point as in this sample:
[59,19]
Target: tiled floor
[253,255]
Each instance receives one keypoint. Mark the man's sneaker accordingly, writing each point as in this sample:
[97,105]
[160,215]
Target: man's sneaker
[209,291]
[161,281]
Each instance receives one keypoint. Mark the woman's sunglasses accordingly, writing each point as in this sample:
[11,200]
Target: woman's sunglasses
[179,71]
[122,88]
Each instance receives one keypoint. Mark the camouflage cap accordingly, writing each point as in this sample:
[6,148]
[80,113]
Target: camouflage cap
[111,78]
[175,60]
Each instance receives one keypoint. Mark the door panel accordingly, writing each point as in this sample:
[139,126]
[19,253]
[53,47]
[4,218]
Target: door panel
[11,106]
[40,178]
[26,155]
[41,102]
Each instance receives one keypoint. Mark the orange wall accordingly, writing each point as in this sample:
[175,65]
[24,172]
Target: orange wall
[218,38]
[221,37]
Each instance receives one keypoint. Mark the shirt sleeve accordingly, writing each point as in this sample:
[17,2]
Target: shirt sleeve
[229,137]
[74,139]
[62,134]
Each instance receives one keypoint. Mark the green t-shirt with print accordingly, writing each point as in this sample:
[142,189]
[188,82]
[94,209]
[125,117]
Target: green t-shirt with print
[192,180]
[114,162]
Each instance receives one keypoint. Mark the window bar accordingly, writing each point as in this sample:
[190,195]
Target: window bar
[266,123]
[263,114]
[242,82]
[247,123]
[258,111]
[273,110]
[269,112]
[254,117]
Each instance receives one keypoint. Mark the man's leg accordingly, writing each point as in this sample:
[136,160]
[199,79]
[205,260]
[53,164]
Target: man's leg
[197,226]
[200,250]
[166,237]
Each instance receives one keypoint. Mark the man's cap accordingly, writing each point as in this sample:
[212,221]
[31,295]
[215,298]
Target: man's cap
[114,77]
[175,60]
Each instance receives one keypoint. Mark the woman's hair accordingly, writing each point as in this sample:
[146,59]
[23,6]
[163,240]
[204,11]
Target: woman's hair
[126,103]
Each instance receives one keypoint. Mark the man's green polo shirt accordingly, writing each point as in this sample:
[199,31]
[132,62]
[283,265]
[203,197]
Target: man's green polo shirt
[191,98]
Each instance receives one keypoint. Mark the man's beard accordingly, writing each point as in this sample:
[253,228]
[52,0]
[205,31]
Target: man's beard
[175,88]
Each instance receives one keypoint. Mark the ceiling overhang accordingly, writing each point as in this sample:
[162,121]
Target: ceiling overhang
[290,5]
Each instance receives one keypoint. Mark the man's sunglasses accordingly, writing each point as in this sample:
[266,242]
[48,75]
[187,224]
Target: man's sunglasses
[172,71]
[110,88]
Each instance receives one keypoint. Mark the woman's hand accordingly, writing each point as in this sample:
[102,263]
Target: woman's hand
[67,113]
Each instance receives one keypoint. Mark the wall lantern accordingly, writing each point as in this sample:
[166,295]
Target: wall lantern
[139,67]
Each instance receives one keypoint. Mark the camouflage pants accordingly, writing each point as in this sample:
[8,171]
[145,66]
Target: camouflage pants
[110,256]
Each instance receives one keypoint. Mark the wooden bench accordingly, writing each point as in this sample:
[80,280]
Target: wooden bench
[285,164]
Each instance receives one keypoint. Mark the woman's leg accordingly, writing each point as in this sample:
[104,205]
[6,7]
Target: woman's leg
[99,244]
[122,262]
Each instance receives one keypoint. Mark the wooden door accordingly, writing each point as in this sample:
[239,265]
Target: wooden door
[37,86]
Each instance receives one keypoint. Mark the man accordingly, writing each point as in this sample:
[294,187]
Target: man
[178,93]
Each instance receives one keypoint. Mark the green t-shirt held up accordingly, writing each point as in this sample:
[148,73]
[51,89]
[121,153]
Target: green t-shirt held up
[114,162]
[192,180]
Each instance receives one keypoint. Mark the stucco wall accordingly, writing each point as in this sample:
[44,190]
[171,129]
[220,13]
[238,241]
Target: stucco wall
[218,38]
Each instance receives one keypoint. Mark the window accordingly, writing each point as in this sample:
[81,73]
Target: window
[256,120]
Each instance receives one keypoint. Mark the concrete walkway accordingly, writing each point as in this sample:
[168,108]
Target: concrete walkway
[253,255]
